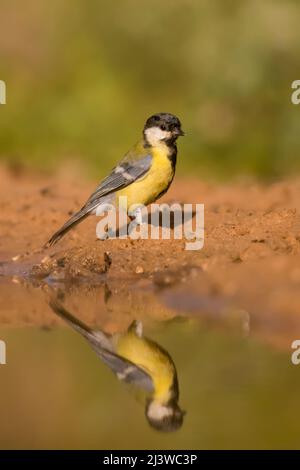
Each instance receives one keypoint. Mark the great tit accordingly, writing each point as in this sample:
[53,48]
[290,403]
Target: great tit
[138,361]
[143,175]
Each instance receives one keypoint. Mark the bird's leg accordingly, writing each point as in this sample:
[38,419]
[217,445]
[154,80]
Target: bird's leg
[137,215]
[138,227]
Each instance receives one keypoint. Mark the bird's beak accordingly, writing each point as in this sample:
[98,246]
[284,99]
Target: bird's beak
[179,132]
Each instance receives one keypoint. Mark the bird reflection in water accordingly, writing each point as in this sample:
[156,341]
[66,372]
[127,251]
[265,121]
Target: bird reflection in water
[138,361]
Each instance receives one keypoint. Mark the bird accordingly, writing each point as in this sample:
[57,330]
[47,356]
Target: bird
[143,175]
[139,361]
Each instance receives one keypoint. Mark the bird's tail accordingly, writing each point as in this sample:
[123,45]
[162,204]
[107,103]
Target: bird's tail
[96,338]
[74,220]
[74,322]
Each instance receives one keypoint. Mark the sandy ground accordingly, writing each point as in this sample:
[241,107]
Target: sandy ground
[248,269]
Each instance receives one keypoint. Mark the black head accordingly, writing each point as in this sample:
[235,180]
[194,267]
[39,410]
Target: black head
[162,127]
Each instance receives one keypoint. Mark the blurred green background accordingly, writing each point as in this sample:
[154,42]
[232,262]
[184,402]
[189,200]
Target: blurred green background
[82,77]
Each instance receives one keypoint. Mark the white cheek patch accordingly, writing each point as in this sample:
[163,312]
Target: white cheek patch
[155,135]
[157,412]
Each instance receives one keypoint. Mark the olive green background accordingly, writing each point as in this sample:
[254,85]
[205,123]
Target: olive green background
[82,77]
[56,393]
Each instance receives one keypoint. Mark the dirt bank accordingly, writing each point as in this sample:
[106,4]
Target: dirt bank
[250,259]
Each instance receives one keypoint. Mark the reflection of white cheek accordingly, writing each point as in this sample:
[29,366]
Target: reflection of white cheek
[155,135]
[158,412]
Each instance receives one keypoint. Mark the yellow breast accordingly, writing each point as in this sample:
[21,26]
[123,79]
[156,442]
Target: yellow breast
[150,357]
[147,189]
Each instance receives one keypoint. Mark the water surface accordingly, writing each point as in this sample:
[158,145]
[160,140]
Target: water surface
[238,391]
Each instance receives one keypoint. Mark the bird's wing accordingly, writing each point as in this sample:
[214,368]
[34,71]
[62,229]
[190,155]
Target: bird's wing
[133,166]
[96,339]
[124,174]
[125,370]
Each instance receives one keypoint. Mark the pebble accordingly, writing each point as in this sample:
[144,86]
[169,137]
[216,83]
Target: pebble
[139,270]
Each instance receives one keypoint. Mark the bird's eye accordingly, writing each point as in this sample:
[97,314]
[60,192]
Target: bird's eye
[163,127]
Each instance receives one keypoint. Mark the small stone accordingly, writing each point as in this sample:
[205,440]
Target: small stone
[45,191]
[166,278]
[139,270]
[107,261]
[61,262]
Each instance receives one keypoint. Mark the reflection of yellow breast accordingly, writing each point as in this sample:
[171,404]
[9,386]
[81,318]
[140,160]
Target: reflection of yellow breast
[147,189]
[151,358]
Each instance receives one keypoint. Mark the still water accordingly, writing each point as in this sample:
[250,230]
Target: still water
[56,392]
